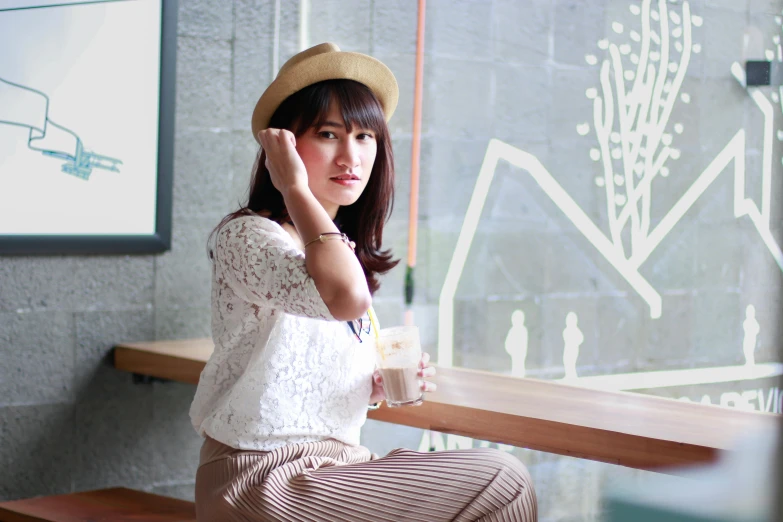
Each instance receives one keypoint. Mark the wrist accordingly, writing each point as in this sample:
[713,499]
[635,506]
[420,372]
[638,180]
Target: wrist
[296,191]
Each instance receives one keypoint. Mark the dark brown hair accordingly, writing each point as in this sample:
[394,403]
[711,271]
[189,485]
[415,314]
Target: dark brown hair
[363,220]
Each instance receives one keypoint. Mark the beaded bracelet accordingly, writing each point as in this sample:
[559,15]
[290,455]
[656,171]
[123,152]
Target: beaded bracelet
[326,236]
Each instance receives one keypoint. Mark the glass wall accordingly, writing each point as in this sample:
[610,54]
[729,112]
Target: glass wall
[600,199]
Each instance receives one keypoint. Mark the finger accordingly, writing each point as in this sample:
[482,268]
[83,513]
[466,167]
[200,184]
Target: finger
[377,379]
[425,358]
[288,135]
[429,387]
[427,372]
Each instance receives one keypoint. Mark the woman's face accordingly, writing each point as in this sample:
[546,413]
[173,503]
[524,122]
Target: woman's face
[338,162]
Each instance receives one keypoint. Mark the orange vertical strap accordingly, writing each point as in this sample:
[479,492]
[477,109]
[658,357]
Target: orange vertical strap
[413,215]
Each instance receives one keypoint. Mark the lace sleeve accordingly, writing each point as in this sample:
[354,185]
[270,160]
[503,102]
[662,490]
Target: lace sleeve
[259,262]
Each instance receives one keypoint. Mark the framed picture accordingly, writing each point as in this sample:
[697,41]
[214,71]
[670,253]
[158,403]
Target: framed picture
[86,126]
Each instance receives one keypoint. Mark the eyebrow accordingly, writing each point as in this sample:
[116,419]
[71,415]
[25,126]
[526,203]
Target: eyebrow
[333,124]
[337,125]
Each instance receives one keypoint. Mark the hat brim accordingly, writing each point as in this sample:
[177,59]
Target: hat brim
[328,66]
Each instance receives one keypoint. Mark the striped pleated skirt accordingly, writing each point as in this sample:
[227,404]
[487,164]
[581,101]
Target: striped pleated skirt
[331,481]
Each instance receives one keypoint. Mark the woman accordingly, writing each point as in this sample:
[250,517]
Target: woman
[282,399]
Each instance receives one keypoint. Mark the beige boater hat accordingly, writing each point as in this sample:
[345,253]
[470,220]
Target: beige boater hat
[326,62]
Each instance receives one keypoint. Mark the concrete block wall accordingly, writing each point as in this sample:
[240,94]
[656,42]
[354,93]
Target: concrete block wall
[515,71]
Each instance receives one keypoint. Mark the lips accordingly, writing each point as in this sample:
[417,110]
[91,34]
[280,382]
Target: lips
[346,180]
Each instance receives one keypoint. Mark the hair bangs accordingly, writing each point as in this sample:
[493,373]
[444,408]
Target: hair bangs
[358,106]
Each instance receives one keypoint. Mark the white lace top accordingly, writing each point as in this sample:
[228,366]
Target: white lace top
[284,370]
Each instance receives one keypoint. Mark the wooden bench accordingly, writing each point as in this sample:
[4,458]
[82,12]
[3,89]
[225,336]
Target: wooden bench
[106,505]
[628,429]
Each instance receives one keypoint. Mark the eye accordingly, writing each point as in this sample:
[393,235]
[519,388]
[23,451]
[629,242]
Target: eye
[327,134]
[365,136]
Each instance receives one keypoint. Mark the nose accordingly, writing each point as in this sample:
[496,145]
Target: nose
[348,155]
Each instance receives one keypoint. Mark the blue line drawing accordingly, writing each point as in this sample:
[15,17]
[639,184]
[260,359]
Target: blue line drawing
[29,108]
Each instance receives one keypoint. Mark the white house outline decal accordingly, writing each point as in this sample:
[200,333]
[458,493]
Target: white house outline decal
[628,268]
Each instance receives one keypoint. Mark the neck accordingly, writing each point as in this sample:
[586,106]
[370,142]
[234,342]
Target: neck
[330,209]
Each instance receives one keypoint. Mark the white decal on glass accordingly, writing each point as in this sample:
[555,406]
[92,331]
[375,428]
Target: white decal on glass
[635,143]
[572,340]
[516,343]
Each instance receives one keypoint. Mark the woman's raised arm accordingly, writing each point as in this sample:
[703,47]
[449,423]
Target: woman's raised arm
[334,267]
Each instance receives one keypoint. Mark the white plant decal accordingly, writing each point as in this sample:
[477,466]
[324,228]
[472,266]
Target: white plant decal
[640,83]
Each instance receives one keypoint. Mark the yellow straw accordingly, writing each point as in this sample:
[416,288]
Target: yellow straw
[376,331]
[374,322]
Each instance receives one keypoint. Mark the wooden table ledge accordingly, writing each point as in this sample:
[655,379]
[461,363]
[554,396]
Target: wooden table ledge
[629,429]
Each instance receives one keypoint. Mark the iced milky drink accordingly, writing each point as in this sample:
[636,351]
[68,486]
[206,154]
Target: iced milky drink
[402,385]
[399,353]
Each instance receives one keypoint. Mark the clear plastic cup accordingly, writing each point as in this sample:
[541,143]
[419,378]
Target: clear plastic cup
[398,356]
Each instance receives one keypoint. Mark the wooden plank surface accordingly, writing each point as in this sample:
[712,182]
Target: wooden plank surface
[181,360]
[629,429]
[115,505]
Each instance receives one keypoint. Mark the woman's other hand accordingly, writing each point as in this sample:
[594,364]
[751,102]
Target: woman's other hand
[425,371]
[282,160]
